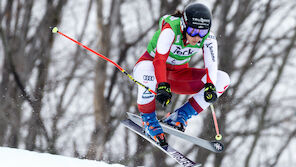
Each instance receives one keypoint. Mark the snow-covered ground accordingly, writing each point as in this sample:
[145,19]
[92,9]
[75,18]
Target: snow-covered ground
[10,157]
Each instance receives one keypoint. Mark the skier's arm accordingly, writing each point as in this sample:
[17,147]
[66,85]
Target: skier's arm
[210,50]
[164,43]
[210,59]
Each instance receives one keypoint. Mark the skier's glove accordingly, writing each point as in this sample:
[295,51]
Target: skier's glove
[164,94]
[210,94]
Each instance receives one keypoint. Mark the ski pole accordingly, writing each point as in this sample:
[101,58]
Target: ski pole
[218,135]
[55,30]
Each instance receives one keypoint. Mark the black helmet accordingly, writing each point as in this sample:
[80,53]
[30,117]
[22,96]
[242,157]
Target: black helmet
[196,15]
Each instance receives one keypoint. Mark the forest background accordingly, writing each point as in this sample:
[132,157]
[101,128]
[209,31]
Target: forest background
[57,97]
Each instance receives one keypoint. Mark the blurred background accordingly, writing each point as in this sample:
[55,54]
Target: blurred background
[59,98]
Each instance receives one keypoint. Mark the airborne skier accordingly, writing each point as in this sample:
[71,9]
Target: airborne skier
[164,68]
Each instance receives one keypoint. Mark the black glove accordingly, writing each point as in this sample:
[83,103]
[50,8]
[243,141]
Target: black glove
[164,94]
[210,94]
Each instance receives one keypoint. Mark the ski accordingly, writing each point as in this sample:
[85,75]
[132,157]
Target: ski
[176,155]
[214,146]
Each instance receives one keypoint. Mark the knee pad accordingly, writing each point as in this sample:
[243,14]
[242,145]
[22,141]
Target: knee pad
[223,82]
[144,73]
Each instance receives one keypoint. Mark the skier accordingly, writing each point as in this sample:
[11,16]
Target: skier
[164,68]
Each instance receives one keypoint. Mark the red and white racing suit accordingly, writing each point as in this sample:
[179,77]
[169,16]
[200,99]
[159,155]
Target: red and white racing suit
[183,79]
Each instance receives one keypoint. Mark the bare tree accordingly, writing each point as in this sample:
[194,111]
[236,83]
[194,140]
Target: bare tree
[256,77]
[24,52]
[256,115]
[234,48]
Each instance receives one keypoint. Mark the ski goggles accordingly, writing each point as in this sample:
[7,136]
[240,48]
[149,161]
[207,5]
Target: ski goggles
[195,31]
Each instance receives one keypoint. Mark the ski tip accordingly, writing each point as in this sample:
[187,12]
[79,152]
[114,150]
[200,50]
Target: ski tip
[129,113]
[218,146]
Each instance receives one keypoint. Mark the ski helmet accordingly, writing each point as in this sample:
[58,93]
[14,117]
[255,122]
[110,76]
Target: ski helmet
[196,15]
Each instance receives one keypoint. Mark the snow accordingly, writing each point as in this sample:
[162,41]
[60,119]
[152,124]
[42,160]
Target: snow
[10,157]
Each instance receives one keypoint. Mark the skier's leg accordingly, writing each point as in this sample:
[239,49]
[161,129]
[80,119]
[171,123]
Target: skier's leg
[195,104]
[222,84]
[144,73]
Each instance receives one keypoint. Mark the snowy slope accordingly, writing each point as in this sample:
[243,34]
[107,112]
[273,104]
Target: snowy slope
[10,157]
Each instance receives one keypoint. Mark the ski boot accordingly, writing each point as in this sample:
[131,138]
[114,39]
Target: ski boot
[178,119]
[153,128]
